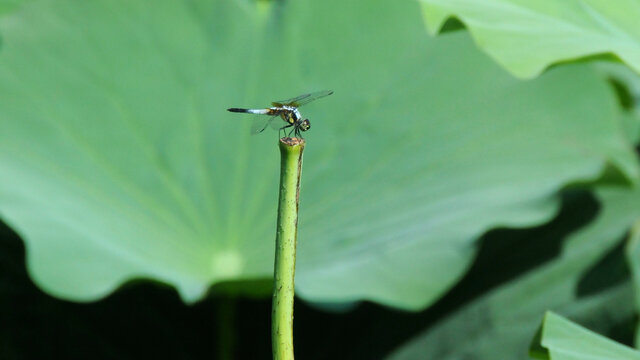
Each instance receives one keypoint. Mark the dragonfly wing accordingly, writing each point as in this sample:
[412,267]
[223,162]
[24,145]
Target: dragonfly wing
[276,123]
[313,96]
[261,122]
[303,99]
[289,102]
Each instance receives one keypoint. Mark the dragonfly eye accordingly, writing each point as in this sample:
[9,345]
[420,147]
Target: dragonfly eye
[305,125]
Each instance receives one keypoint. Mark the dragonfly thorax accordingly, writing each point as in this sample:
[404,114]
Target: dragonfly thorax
[289,114]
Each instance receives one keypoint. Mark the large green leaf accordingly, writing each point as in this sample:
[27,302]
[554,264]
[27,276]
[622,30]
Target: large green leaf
[526,36]
[564,340]
[8,5]
[119,161]
[583,283]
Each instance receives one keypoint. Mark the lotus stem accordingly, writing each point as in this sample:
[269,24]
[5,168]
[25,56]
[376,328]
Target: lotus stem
[286,241]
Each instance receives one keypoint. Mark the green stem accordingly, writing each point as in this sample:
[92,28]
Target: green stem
[286,239]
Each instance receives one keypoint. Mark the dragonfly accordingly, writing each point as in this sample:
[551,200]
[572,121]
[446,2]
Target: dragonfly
[287,110]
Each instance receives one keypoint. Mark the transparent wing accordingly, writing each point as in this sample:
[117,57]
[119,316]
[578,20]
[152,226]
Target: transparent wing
[303,99]
[261,122]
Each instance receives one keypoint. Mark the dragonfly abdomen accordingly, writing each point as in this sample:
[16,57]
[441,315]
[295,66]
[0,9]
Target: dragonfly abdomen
[252,111]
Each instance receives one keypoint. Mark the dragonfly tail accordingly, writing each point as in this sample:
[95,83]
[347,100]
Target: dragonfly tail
[251,111]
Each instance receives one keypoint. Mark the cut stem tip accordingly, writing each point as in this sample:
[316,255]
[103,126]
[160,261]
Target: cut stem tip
[292,141]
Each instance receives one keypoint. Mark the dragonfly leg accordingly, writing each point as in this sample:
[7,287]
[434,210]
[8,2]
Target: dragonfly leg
[283,129]
[264,127]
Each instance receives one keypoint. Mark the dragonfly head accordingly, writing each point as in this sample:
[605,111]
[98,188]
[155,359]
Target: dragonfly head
[305,125]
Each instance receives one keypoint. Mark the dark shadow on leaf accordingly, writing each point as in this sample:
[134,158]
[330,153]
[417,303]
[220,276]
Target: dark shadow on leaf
[611,175]
[610,271]
[610,57]
[452,24]
[507,253]
[625,98]
[623,332]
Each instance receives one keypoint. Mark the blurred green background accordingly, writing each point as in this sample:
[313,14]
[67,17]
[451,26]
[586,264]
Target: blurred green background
[456,186]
